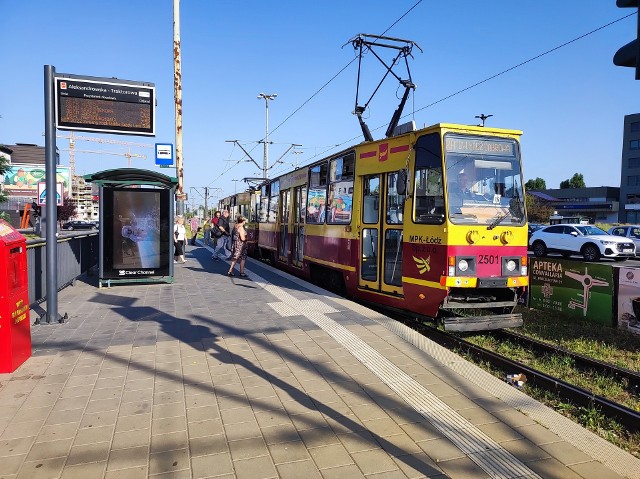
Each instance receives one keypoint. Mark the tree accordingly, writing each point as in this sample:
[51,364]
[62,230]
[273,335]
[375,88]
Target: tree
[576,181]
[538,211]
[4,166]
[537,184]
[66,211]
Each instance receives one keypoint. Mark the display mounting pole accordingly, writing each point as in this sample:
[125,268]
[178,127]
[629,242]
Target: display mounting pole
[51,218]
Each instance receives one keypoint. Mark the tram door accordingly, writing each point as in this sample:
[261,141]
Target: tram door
[283,247]
[299,209]
[381,234]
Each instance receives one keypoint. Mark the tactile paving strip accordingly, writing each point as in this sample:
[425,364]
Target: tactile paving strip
[480,448]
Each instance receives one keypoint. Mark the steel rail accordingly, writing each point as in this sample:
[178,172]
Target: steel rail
[628,417]
[624,415]
[581,361]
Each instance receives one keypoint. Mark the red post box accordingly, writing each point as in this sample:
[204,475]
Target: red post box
[15,328]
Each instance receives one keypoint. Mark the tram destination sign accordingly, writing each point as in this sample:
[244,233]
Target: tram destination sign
[105,105]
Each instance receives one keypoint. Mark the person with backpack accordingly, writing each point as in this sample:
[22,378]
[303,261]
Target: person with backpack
[222,229]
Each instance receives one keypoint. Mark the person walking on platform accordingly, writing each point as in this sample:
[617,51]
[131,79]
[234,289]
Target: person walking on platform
[179,236]
[224,240]
[215,231]
[238,246]
[207,231]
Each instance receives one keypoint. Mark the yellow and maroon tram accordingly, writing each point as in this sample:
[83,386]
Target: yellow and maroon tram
[431,222]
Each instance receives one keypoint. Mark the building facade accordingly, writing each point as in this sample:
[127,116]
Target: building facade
[28,164]
[630,171]
[600,204]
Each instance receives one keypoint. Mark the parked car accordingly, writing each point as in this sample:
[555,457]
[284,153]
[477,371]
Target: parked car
[589,241]
[533,227]
[79,225]
[629,231]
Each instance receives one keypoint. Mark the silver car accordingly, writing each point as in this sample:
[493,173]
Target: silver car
[628,231]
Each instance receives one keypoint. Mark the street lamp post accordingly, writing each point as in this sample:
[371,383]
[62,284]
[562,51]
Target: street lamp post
[266,97]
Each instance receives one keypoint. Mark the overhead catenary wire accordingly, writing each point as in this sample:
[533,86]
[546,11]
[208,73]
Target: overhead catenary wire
[478,83]
[313,96]
[458,92]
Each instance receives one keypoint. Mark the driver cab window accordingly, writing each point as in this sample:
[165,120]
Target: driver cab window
[428,191]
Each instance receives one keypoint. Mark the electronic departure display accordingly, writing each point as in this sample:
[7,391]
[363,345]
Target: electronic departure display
[105,105]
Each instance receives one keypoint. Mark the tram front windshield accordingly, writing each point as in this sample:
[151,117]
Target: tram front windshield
[484,181]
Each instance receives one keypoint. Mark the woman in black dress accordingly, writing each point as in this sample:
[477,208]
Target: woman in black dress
[238,246]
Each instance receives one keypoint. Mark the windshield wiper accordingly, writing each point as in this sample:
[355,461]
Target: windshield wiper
[515,205]
[499,220]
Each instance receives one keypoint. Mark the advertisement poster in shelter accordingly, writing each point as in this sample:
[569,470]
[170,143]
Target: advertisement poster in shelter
[137,232]
[573,288]
[629,300]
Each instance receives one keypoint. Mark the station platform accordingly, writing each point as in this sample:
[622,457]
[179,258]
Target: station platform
[267,377]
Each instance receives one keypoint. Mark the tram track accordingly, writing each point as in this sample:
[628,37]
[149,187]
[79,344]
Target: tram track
[627,417]
[630,378]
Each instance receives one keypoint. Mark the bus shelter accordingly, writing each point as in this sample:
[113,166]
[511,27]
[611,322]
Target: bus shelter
[136,226]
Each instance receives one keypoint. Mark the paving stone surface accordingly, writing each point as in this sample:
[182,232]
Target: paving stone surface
[221,377]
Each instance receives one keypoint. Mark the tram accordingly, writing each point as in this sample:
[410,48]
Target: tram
[431,222]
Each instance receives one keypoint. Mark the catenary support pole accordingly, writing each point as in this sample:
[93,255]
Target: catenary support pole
[177,87]
[206,203]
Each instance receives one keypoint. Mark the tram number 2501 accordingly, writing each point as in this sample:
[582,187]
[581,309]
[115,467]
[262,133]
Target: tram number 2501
[488,259]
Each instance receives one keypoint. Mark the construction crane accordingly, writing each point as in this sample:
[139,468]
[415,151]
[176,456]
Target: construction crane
[73,138]
[75,187]
[127,154]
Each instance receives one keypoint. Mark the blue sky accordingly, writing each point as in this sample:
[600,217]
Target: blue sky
[570,103]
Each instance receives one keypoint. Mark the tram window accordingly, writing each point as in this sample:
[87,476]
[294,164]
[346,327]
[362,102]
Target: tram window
[264,204]
[317,196]
[429,196]
[428,201]
[340,190]
[255,207]
[371,199]
[301,203]
[369,265]
[395,201]
[318,175]
[285,207]
[273,202]
[341,168]
[484,180]
[393,257]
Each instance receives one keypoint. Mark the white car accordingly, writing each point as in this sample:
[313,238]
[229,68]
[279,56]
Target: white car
[589,241]
[631,232]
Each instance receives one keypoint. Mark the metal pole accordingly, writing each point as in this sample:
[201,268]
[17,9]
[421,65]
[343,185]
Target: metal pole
[206,206]
[265,165]
[51,220]
[177,87]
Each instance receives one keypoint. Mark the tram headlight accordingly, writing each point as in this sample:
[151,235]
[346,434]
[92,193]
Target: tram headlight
[463,265]
[512,265]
